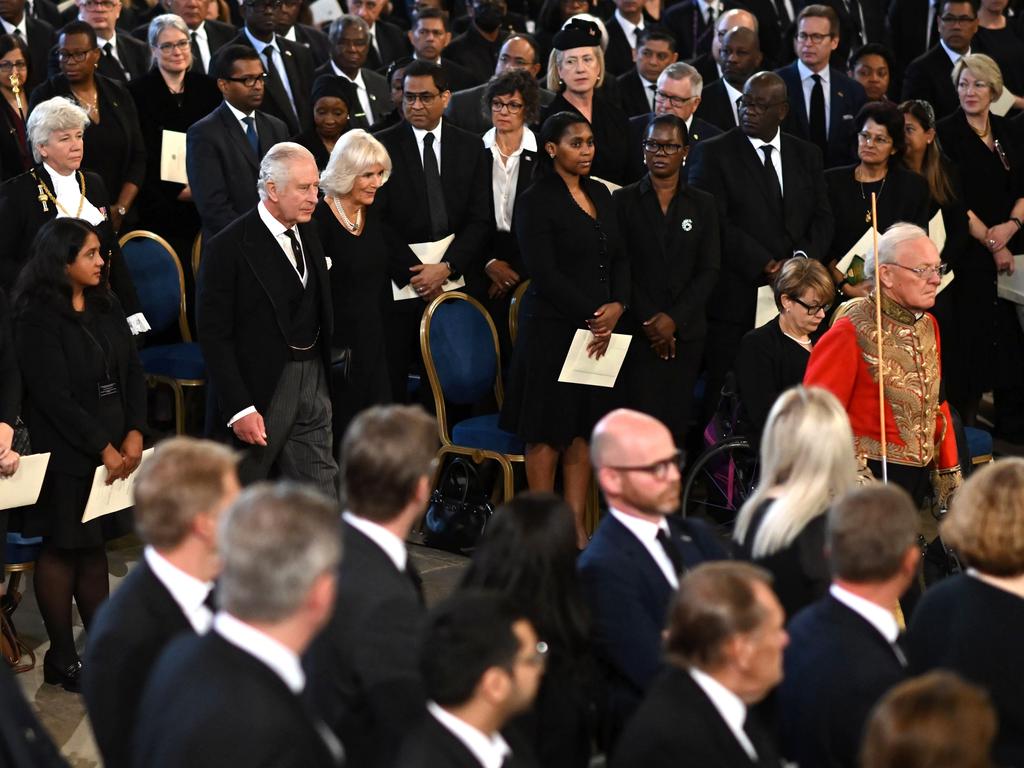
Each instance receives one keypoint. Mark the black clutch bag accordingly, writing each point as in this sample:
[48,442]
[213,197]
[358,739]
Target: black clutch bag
[459,510]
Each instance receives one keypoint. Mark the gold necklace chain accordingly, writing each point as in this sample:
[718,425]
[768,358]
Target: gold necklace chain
[81,200]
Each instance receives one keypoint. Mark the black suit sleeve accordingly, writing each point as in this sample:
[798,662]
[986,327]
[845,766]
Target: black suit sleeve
[818,235]
[10,378]
[205,168]
[12,220]
[134,377]
[754,369]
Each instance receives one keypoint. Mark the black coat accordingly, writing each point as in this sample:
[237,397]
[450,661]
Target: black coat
[431,745]
[633,94]
[837,666]
[767,364]
[15,152]
[393,44]
[24,743]
[677,722]
[754,231]
[242,315]
[314,41]
[611,136]
[907,22]
[715,108]
[209,704]
[618,56]
[475,53]
[41,39]
[929,77]
[298,64]
[699,131]
[130,631]
[222,168]
[363,674]
[693,34]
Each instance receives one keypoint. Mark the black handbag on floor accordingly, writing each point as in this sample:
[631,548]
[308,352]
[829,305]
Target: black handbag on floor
[459,510]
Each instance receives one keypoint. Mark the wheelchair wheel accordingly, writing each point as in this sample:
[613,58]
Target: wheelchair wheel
[720,481]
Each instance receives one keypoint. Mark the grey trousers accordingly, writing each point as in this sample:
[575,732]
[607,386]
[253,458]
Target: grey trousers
[298,423]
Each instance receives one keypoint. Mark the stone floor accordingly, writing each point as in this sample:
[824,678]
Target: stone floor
[63,713]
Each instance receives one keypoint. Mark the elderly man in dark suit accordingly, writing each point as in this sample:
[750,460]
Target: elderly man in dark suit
[362,668]
[724,655]
[233,697]
[740,57]
[265,322]
[634,561]
[929,76]
[350,43]
[440,186]
[122,56]
[224,149]
[772,205]
[844,651]
[823,100]
[179,496]
[656,49]
[39,36]
[207,36]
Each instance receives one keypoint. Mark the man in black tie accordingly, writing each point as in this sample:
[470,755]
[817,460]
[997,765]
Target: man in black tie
[362,667]
[233,697]
[180,495]
[632,565]
[655,51]
[350,41]
[264,311]
[207,36]
[844,650]
[928,77]
[122,57]
[723,655]
[35,33]
[624,26]
[740,57]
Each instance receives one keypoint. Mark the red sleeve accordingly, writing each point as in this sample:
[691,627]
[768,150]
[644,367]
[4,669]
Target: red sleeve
[834,361]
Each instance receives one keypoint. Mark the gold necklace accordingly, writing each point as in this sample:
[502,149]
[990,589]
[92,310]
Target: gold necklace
[88,106]
[981,134]
[81,200]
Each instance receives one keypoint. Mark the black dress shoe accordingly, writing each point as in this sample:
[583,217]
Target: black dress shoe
[69,678]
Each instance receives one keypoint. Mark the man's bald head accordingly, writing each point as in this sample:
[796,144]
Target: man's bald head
[764,105]
[737,17]
[617,436]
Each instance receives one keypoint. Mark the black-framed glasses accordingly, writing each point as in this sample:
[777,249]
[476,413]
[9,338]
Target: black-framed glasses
[101,5]
[815,37]
[812,309]
[8,66]
[757,106]
[249,81]
[425,98]
[181,45]
[937,270]
[655,147]
[659,469]
[676,101]
[878,141]
[76,56]
[951,19]
[512,107]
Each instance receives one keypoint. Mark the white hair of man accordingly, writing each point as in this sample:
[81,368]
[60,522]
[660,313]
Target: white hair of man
[277,164]
[50,116]
[889,245]
[340,24]
[680,70]
[162,22]
[355,153]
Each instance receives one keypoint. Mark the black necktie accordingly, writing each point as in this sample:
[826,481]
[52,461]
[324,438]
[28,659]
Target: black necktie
[897,649]
[435,192]
[197,56]
[650,97]
[767,754]
[674,555]
[300,265]
[769,170]
[816,118]
[108,49]
[211,600]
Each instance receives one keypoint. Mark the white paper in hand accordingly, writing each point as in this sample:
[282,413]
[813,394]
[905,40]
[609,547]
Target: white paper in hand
[105,499]
[22,488]
[172,157]
[766,310]
[578,368]
[1010,287]
[324,11]
[428,253]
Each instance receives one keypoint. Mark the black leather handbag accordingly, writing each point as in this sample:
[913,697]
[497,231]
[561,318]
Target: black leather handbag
[460,508]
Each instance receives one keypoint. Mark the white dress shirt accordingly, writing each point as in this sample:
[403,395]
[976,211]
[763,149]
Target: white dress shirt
[629,28]
[776,144]
[953,55]
[647,533]
[729,706]
[392,545]
[734,96]
[21,26]
[278,60]
[807,83]
[705,7]
[240,117]
[203,43]
[281,659]
[188,592]
[373,40]
[490,751]
[876,615]
[505,176]
[649,87]
[364,95]
[419,133]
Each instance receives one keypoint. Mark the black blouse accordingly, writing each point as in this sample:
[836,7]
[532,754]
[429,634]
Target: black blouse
[15,154]
[768,363]
[611,136]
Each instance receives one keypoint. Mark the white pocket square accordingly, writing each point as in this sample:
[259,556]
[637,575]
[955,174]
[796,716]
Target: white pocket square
[329,262]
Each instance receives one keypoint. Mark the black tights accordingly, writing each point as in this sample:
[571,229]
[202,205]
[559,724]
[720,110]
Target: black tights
[63,574]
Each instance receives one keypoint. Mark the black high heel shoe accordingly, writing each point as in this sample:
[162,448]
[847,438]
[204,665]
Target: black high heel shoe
[69,678]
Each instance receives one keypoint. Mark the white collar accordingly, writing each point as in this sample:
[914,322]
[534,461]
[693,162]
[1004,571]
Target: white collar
[644,530]
[528,143]
[776,143]
[70,181]
[490,751]
[879,617]
[259,45]
[276,227]
[393,546]
[358,79]
[188,592]
[703,5]
[101,41]
[200,31]
[239,114]
[806,72]
[282,660]
[21,25]
[953,55]
[729,705]
[419,133]
[628,26]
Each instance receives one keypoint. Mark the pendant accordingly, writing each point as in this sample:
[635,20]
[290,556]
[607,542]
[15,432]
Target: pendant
[867,217]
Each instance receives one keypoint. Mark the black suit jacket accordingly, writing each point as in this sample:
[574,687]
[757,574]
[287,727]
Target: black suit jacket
[907,27]
[126,639]
[393,44]
[466,109]
[837,666]
[677,722]
[715,107]
[134,55]
[41,38]
[24,743]
[363,674]
[699,131]
[466,181]
[47,11]
[846,97]
[693,34]
[459,78]
[474,52]
[707,67]
[929,77]
[377,89]
[618,56]
[298,64]
[431,745]
[633,94]
[754,231]
[209,704]
[242,313]
[314,41]
[222,168]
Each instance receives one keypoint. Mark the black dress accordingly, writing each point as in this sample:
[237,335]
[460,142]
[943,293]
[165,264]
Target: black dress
[973,628]
[611,136]
[311,140]
[10,393]
[360,291]
[1006,47]
[800,570]
[15,154]
[577,264]
[769,362]
[64,357]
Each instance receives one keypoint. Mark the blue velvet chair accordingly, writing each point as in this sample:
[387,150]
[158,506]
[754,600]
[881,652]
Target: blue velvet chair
[461,357]
[160,284]
[979,445]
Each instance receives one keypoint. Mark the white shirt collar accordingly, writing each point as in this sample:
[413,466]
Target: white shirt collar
[806,72]
[282,660]
[22,25]
[704,5]
[491,751]
[188,592]
[393,546]
[876,615]
[529,142]
[358,79]
[629,27]
[239,114]
[729,706]
[259,45]
[732,92]
[776,143]
[276,227]
[953,55]
[200,31]
[644,530]
[419,133]
[101,41]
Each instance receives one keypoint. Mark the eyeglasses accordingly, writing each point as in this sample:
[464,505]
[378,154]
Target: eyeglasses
[812,309]
[954,20]
[757,106]
[815,37]
[7,66]
[98,5]
[937,270]
[654,147]
[676,101]
[426,99]
[249,81]
[659,469]
[512,107]
[977,85]
[878,141]
[181,45]
[76,56]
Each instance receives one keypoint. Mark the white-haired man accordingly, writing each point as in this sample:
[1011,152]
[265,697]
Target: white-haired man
[265,321]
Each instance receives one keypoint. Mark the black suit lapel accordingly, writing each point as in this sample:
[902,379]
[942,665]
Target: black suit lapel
[291,67]
[259,248]
[233,130]
[631,546]
[414,163]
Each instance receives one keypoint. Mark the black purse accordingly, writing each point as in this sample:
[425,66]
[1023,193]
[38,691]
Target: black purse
[459,510]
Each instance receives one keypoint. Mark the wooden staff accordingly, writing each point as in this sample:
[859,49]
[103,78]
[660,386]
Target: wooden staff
[878,329]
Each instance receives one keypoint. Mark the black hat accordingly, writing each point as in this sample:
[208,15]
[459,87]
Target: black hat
[578,33]
[326,86]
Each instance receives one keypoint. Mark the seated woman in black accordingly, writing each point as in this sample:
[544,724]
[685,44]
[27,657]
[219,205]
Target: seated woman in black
[773,358]
[85,404]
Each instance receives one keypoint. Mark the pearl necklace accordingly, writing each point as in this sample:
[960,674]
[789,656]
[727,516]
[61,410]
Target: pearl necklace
[349,224]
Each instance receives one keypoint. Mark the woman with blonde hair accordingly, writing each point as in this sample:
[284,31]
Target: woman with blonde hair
[353,240]
[807,460]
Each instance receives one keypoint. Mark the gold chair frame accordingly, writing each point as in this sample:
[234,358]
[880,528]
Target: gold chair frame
[505,461]
[513,310]
[197,255]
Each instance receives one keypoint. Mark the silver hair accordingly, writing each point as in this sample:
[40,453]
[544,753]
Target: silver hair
[275,541]
[889,245]
[340,24]
[276,165]
[162,22]
[680,70]
[354,154]
[50,116]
